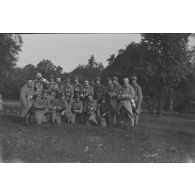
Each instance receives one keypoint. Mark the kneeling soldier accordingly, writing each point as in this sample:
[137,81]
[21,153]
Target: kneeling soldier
[59,109]
[40,108]
[91,108]
[76,109]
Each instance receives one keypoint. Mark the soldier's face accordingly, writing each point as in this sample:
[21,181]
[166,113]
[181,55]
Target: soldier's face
[58,80]
[76,81]
[90,98]
[52,79]
[86,83]
[126,81]
[133,81]
[97,82]
[110,82]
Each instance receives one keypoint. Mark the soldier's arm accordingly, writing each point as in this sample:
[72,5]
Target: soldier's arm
[140,97]
[23,96]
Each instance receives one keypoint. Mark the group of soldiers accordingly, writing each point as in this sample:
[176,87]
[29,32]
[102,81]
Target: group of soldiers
[90,103]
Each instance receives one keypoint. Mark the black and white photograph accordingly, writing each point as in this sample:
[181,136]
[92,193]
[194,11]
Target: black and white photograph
[97,97]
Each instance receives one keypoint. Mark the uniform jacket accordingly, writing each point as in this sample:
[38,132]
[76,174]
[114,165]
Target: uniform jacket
[125,95]
[26,99]
[138,95]
[99,92]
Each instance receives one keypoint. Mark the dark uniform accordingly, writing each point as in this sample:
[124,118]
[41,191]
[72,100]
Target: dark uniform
[60,108]
[99,92]
[76,110]
[91,108]
[68,90]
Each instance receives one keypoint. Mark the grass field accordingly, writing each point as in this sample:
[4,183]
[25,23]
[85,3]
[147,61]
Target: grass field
[170,138]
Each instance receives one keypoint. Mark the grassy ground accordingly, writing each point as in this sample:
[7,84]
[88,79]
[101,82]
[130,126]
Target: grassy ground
[170,138]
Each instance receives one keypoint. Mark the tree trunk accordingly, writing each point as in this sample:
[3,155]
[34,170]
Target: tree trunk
[171,99]
[159,105]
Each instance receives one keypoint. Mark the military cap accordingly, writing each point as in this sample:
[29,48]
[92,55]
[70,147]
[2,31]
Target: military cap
[75,77]
[97,78]
[115,78]
[133,77]
[109,78]
[51,76]
[67,79]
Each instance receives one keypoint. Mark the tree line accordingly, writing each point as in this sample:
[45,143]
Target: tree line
[163,63]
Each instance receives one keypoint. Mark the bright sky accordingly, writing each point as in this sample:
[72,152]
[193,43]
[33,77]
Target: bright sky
[70,50]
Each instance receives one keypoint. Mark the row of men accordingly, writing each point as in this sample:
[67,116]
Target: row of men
[91,103]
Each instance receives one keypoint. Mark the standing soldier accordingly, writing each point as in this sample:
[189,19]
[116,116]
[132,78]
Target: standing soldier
[127,101]
[59,84]
[92,83]
[99,90]
[78,87]
[138,98]
[76,109]
[68,90]
[113,94]
[91,110]
[53,86]
[38,83]
[26,99]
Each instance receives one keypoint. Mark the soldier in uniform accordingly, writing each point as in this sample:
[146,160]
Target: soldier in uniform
[99,90]
[26,98]
[53,86]
[68,90]
[104,114]
[92,83]
[87,90]
[91,110]
[39,83]
[78,87]
[60,109]
[113,94]
[40,107]
[138,98]
[127,101]
[76,109]
[59,84]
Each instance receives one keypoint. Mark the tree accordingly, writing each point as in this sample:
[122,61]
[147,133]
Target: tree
[47,68]
[10,46]
[168,61]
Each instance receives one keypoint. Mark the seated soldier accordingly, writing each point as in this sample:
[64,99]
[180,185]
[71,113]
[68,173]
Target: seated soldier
[91,111]
[59,109]
[76,109]
[40,108]
[104,113]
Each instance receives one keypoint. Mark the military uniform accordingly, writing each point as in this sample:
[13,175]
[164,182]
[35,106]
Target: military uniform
[138,101]
[76,110]
[68,91]
[91,109]
[126,95]
[99,92]
[26,99]
[104,114]
[77,88]
[60,108]
[40,109]
[113,94]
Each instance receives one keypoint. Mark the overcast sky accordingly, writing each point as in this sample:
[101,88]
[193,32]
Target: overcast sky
[70,50]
